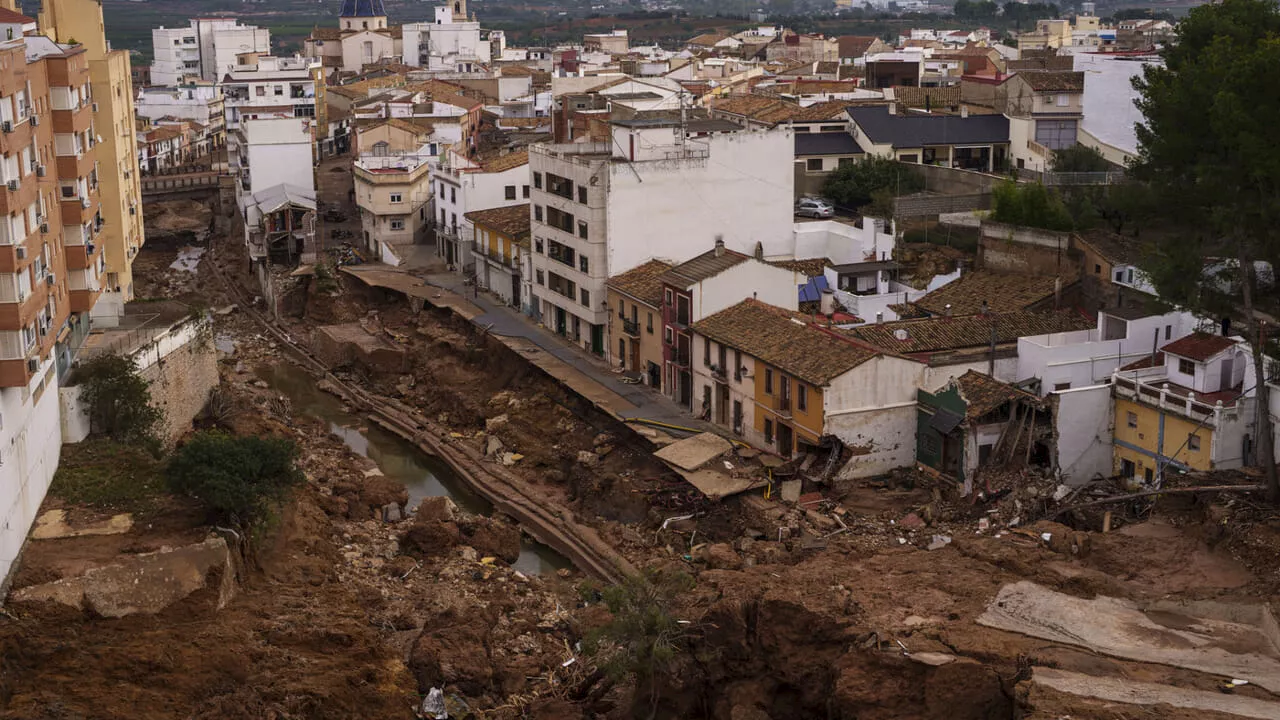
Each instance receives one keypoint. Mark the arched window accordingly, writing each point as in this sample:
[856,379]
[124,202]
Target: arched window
[381,148]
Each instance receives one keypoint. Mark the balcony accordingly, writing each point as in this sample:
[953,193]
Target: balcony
[781,405]
[76,120]
[81,257]
[15,135]
[17,195]
[1150,387]
[630,327]
[78,165]
[79,210]
[680,356]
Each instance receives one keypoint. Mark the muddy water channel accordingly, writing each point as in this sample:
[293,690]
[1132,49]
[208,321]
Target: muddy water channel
[423,474]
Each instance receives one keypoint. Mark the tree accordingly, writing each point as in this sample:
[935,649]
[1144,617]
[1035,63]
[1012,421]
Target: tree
[855,184]
[643,639]
[1080,158]
[119,400]
[1029,205]
[1207,148]
[237,478]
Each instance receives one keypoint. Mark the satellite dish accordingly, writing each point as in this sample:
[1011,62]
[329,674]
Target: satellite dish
[900,333]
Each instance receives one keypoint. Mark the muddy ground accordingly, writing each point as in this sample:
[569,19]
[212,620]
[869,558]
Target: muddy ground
[345,615]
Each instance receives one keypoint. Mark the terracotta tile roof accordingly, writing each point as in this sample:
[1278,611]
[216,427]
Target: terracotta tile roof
[855,46]
[644,282]
[1199,346]
[9,17]
[501,163]
[747,105]
[778,338]
[936,334]
[320,33]
[517,71]
[809,267]
[1156,360]
[512,220]
[983,393]
[1054,80]
[1003,293]
[706,39]
[828,110]
[1116,249]
[703,266]
[828,67]
[932,97]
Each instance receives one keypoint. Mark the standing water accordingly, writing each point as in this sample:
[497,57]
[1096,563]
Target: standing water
[423,474]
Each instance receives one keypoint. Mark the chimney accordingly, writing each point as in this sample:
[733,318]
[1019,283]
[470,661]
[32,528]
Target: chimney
[760,251]
[947,310]
[879,318]
[827,302]
[719,245]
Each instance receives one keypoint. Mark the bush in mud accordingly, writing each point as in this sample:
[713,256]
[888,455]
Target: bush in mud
[119,400]
[240,479]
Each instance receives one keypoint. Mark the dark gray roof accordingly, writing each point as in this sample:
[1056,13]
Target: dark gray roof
[706,265]
[831,143]
[916,130]
[691,125]
[862,267]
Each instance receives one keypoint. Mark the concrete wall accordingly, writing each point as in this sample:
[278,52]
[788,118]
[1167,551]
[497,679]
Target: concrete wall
[182,369]
[766,283]
[840,242]
[30,444]
[279,151]
[1082,425]
[872,409]
[954,181]
[743,191]
[742,389]
[1008,248]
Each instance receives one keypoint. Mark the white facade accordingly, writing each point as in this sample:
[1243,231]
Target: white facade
[1083,427]
[30,445]
[872,408]
[450,43]
[273,87]
[204,51]
[1082,358]
[277,151]
[652,193]
[460,187]
[767,283]
[189,102]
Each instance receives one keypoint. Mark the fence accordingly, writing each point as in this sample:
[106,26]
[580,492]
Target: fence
[1107,177]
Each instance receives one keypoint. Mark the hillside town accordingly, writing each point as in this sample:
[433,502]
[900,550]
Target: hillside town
[776,375]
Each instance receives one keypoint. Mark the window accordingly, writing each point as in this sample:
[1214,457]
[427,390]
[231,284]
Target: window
[509,192]
[1186,367]
[397,197]
[1127,468]
[768,381]
[537,213]
[802,397]
[768,431]
[737,364]
[538,275]
[583,264]
[1059,387]
[1097,269]
[260,90]
[537,180]
[582,195]
[278,90]
[1148,475]
[582,230]
[526,192]
[813,164]
[537,245]
[586,297]
[667,336]
[397,224]
[706,353]
[1168,330]
[649,326]
[667,298]
[453,195]
[1132,419]
[1193,443]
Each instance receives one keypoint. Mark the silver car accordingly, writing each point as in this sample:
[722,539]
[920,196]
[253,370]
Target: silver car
[814,208]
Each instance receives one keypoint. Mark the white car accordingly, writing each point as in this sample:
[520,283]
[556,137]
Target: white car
[814,208]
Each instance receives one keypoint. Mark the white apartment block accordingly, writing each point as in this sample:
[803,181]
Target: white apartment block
[393,191]
[461,186]
[658,190]
[271,89]
[204,51]
[451,42]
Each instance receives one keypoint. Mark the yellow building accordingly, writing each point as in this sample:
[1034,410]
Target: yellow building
[635,320]
[500,246]
[113,125]
[1183,411]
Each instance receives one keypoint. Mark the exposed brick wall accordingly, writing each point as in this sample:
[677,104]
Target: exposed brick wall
[181,383]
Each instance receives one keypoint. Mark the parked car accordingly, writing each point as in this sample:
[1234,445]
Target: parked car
[814,208]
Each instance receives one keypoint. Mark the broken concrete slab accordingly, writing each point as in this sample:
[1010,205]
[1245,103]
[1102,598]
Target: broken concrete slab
[932,659]
[694,452]
[715,484]
[790,491]
[53,524]
[493,446]
[146,583]
[1117,690]
[1222,645]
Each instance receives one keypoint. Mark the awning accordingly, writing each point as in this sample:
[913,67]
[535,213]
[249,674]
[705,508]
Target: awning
[944,421]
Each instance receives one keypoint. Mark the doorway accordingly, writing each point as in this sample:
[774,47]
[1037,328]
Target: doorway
[686,389]
[561,322]
[786,440]
[515,290]
[597,339]
[722,404]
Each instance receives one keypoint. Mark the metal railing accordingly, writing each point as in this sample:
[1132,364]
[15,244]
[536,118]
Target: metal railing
[631,327]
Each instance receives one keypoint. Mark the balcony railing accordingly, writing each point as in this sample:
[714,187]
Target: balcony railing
[680,357]
[1160,395]
[631,327]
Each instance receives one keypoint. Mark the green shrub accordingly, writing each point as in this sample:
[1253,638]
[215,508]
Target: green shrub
[1029,205]
[119,400]
[857,183]
[238,478]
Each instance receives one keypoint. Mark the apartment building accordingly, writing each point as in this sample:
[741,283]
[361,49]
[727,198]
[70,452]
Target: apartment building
[51,260]
[204,51]
[265,87]
[200,103]
[501,249]
[635,325]
[393,191]
[657,189]
[462,185]
[119,189]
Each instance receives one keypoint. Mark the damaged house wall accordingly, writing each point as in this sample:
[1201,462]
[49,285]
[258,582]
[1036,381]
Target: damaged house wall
[1082,428]
[872,409]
